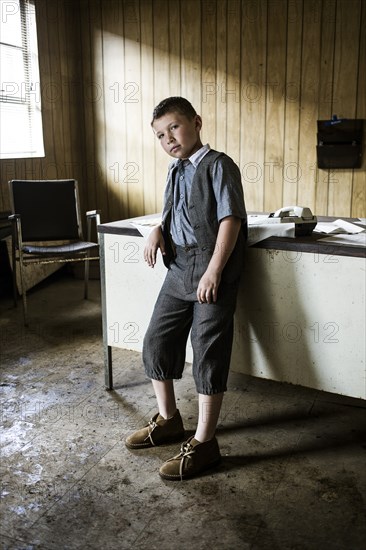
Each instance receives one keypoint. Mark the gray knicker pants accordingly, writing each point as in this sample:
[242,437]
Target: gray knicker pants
[176,312]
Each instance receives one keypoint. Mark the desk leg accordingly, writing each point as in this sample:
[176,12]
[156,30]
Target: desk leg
[108,373]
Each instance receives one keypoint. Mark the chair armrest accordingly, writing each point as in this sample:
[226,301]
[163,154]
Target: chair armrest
[92,214]
[14,217]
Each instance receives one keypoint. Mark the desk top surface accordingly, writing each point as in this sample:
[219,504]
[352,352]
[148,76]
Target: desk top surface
[311,244]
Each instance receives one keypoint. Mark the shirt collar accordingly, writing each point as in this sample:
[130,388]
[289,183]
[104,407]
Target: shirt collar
[194,159]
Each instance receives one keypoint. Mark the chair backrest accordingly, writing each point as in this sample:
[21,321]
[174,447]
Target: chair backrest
[49,209]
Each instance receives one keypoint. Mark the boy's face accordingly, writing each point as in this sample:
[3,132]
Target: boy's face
[179,136]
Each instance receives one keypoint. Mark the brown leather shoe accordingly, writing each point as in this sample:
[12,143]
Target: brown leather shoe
[157,432]
[193,459]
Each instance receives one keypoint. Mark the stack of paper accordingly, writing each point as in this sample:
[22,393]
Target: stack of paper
[146,226]
[338,226]
[260,228]
[342,232]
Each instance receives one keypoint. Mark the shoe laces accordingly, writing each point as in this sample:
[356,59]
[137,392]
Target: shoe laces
[151,427]
[186,451]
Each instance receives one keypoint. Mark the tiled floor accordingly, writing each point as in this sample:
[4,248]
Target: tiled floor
[293,474]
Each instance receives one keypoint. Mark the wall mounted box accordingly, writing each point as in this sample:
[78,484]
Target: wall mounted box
[339,143]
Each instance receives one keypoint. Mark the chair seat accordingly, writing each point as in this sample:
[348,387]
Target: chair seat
[70,248]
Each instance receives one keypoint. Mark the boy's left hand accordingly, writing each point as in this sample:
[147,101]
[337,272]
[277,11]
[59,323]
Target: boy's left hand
[208,287]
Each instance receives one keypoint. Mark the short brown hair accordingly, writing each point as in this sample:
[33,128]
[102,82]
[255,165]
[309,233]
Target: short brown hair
[172,104]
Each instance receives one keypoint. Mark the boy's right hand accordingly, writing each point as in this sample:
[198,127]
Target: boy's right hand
[154,241]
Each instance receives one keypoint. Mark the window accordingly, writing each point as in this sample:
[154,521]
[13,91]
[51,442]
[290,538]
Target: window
[21,134]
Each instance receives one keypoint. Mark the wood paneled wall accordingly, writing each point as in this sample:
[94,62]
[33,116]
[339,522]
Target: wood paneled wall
[260,72]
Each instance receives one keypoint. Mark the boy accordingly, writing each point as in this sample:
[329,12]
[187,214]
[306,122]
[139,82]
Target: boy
[201,238]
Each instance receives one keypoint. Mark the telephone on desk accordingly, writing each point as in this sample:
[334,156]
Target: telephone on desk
[301,216]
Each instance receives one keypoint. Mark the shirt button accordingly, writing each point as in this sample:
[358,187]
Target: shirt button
[181,196]
[181,178]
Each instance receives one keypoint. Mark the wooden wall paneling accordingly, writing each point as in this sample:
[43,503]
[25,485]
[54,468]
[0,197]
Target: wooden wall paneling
[4,199]
[275,104]
[20,168]
[174,37]
[30,168]
[325,95]
[114,96]
[96,96]
[54,161]
[209,85]
[7,172]
[65,12]
[233,80]
[161,53]
[161,86]
[310,78]
[291,170]
[74,98]
[147,105]
[344,99]
[91,170]
[358,208]
[132,169]
[253,104]
[47,85]
[167,51]
[191,51]
[221,76]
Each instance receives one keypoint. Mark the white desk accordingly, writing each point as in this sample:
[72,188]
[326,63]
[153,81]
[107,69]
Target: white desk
[300,314]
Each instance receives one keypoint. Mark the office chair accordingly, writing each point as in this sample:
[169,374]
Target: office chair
[47,212]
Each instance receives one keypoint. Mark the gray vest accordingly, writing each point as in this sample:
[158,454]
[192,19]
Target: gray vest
[202,211]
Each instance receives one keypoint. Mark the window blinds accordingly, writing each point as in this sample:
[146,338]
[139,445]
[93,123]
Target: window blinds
[21,134]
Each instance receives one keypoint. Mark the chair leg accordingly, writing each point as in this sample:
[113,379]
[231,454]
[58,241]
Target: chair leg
[24,293]
[15,290]
[86,279]
[15,294]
